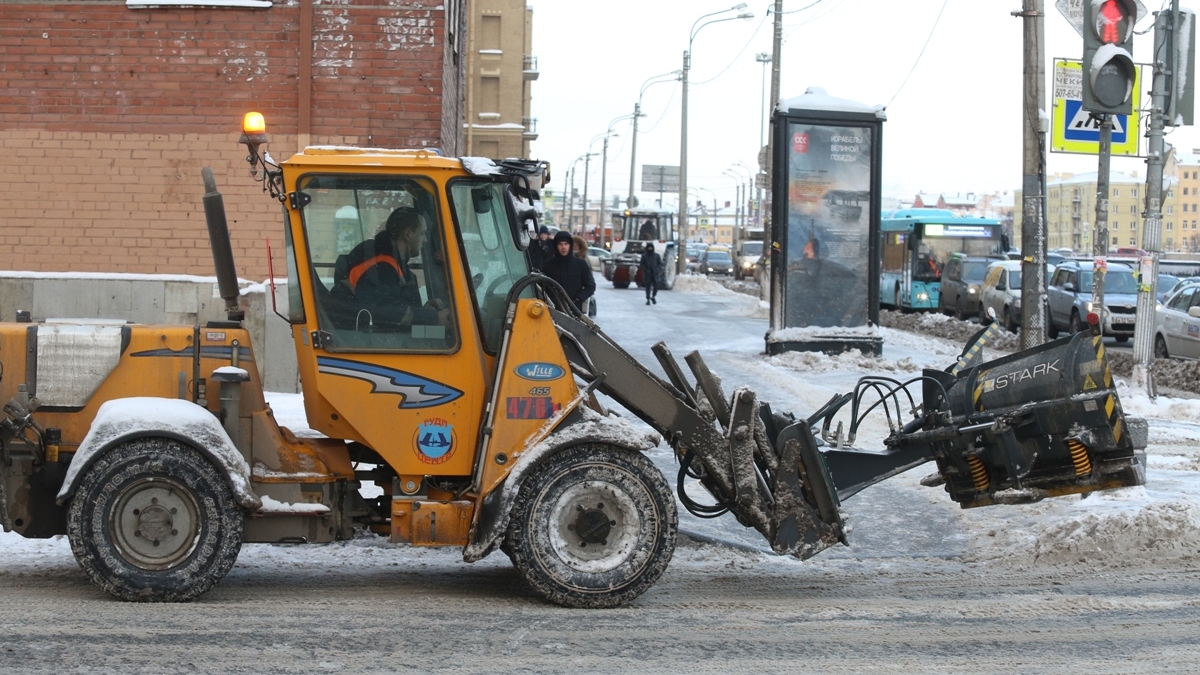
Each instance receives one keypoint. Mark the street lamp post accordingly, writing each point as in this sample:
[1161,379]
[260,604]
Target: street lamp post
[738,213]
[604,176]
[681,260]
[746,194]
[637,113]
[571,193]
[764,58]
[587,158]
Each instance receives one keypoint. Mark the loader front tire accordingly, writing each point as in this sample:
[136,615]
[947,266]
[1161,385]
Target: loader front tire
[154,521]
[593,526]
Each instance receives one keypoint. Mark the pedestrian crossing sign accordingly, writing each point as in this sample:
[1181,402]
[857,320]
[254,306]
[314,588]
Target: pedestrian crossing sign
[1074,130]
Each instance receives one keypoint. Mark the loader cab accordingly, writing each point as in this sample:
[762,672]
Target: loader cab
[424,358]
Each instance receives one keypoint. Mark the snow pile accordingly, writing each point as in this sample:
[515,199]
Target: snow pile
[697,283]
[817,362]
[1114,529]
[1163,407]
[943,326]
[746,306]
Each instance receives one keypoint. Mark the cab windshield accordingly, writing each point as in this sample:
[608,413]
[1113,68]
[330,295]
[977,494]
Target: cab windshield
[494,263]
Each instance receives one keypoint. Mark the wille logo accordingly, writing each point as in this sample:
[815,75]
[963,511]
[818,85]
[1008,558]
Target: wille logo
[539,372]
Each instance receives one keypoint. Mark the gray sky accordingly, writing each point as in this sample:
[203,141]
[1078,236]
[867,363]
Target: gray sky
[955,126]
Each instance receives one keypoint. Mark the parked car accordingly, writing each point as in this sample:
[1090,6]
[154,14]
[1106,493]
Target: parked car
[1177,324]
[1064,252]
[715,260]
[1069,296]
[746,261]
[960,285]
[694,249]
[1001,292]
[1055,259]
[1127,251]
[1167,283]
[596,257]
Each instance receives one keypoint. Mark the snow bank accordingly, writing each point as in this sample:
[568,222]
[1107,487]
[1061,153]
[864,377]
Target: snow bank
[816,362]
[1163,407]
[745,305]
[1121,528]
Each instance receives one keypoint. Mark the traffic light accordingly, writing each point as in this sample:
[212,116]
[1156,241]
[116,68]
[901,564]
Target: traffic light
[1108,69]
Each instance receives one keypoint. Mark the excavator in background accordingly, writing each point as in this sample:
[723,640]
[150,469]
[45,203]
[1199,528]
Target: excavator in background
[153,449]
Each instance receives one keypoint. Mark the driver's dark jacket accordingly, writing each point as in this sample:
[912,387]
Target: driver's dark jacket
[382,285]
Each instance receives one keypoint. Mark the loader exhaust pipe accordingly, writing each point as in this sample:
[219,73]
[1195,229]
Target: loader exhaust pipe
[218,237]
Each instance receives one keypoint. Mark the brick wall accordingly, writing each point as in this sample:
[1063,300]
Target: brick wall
[108,114]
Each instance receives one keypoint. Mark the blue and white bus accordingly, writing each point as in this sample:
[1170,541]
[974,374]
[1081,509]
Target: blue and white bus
[916,245]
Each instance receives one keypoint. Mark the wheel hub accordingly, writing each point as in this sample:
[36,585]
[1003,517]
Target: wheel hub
[593,525]
[155,523]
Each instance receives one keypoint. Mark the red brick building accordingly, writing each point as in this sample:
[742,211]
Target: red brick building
[110,108]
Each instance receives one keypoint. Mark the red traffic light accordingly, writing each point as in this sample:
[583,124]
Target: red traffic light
[1114,21]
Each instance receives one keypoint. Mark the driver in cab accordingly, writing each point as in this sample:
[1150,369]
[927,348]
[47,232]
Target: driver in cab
[381,279]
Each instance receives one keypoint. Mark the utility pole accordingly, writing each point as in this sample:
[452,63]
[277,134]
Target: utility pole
[1033,229]
[1143,332]
[1100,235]
[772,291]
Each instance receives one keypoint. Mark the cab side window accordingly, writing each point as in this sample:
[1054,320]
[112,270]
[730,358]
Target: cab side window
[376,290]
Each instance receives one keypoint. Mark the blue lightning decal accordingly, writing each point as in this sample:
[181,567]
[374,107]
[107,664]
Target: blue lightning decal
[416,392]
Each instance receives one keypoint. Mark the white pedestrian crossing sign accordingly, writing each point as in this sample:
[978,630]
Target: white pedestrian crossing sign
[1074,130]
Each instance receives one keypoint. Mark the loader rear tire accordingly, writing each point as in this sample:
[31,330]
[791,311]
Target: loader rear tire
[154,521]
[593,526]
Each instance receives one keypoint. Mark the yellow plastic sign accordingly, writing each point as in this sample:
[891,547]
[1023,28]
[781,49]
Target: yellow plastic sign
[1074,130]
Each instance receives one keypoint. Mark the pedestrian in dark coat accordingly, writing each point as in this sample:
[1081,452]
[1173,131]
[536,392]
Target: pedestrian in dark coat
[572,273]
[650,265]
[541,250]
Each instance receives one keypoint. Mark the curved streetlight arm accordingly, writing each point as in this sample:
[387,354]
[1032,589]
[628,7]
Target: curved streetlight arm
[736,8]
[672,76]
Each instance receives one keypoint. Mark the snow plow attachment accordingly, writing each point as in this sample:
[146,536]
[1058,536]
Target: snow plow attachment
[1039,423]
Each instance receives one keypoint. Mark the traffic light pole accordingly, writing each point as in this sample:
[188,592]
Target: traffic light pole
[1100,236]
[1143,339]
[1033,231]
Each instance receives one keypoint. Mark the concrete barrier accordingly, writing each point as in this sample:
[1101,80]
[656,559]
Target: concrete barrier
[158,299]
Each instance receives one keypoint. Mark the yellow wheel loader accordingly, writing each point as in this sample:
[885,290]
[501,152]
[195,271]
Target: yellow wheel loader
[436,366]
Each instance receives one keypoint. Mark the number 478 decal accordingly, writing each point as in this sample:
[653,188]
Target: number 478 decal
[531,407]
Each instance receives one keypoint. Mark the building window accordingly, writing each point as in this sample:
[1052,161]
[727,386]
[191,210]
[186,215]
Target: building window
[1133,192]
[1170,225]
[1116,192]
[1132,241]
[489,35]
[1115,242]
[1116,209]
[1185,191]
[1171,209]
[489,95]
[1133,209]
[1133,225]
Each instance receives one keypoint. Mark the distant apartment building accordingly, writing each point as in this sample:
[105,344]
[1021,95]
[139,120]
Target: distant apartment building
[501,71]
[1071,208]
[1181,215]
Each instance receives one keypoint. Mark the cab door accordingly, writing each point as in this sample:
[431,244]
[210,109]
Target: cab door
[407,377]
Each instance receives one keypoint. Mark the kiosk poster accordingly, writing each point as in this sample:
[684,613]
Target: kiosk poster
[828,226]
